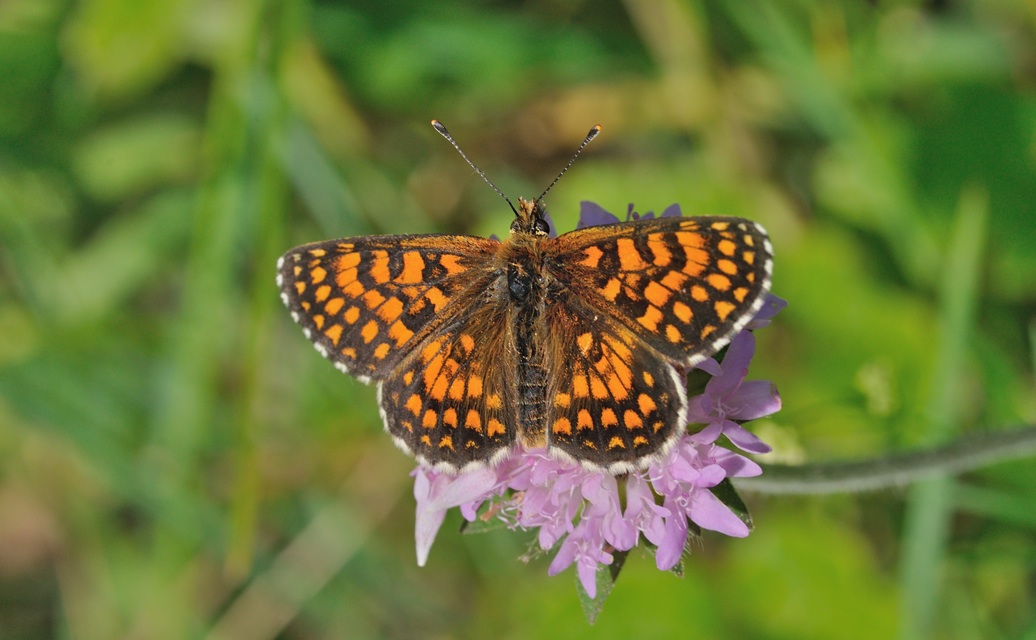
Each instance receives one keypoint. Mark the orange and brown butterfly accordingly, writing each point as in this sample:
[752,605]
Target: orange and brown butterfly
[579,343]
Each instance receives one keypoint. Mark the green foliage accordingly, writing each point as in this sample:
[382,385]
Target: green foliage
[175,461]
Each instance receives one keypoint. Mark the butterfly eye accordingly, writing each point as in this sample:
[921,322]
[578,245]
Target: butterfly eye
[540,227]
[516,226]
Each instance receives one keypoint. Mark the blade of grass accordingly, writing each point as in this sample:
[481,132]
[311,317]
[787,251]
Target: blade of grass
[930,503]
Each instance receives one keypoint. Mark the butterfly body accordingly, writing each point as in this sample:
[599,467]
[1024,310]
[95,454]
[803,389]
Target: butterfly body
[579,343]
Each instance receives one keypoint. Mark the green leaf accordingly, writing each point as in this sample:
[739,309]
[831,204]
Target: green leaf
[728,496]
[606,577]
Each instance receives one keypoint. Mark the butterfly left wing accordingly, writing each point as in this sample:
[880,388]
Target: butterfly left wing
[410,313]
[365,303]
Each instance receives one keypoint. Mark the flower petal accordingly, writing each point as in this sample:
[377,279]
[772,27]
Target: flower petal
[735,366]
[672,211]
[592,214]
[708,512]
[745,440]
[670,548]
[754,399]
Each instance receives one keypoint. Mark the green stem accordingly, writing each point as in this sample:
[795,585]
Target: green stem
[963,454]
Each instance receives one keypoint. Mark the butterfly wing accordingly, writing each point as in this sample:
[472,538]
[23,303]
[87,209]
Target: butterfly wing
[613,401]
[685,286]
[633,306]
[407,312]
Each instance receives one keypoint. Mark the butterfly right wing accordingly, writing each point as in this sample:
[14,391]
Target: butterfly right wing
[367,302]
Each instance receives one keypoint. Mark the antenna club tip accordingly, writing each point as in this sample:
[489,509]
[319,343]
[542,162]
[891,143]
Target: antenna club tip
[438,125]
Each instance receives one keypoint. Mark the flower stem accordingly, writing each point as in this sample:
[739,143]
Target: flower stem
[966,453]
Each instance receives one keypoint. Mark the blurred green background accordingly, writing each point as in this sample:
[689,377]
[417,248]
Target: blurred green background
[177,462]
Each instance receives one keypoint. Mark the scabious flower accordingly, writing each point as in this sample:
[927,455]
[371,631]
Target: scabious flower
[581,512]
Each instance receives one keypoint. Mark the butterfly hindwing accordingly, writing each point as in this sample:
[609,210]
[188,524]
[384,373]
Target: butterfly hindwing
[612,400]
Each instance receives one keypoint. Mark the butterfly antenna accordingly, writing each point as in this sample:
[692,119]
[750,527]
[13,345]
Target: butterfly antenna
[446,134]
[590,136]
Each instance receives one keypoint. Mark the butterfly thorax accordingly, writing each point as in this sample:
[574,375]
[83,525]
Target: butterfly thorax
[520,264]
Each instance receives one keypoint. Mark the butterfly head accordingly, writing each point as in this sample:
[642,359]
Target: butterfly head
[531,219]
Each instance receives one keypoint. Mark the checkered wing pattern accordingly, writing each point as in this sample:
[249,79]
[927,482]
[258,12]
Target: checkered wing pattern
[682,286]
[612,400]
[366,303]
[405,311]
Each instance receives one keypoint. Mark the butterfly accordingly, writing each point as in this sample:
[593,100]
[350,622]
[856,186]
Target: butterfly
[579,343]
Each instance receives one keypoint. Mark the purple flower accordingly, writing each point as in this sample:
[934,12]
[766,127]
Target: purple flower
[578,511]
[435,493]
[728,396]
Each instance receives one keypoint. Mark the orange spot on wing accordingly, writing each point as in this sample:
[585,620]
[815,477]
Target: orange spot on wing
[562,426]
[584,420]
[726,247]
[373,298]
[646,404]
[379,268]
[349,352]
[390,310]
[334,305]
[449,418]
[593,256]
[319,321]
[381,350]
[661,253]
[723,309]
[673,334]
[345,261]
[650,319]
[632,420]
[446,443]
[474,386]
[699,293]
[608,418]
[690,239]
[682,311]
[413,268]
[493,401]
[429,419]
[629,257]
[400,333]
[352,314]
[473,421]
[300,287]
[369,331]
[727,266]
[610,291]
[748,257]
[414,404]
[656,294]
[435,296]
[616,443]
[673,280]
[494,427]
[718,281]
[452,264]
[585,341]
[563,400]
[457,389]
[317,275]
[334,333]
[597,388]
[580,386]
[740,294]
[467,343]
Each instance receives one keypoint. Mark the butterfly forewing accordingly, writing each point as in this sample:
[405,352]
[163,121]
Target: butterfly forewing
[365,303]
[684,286]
